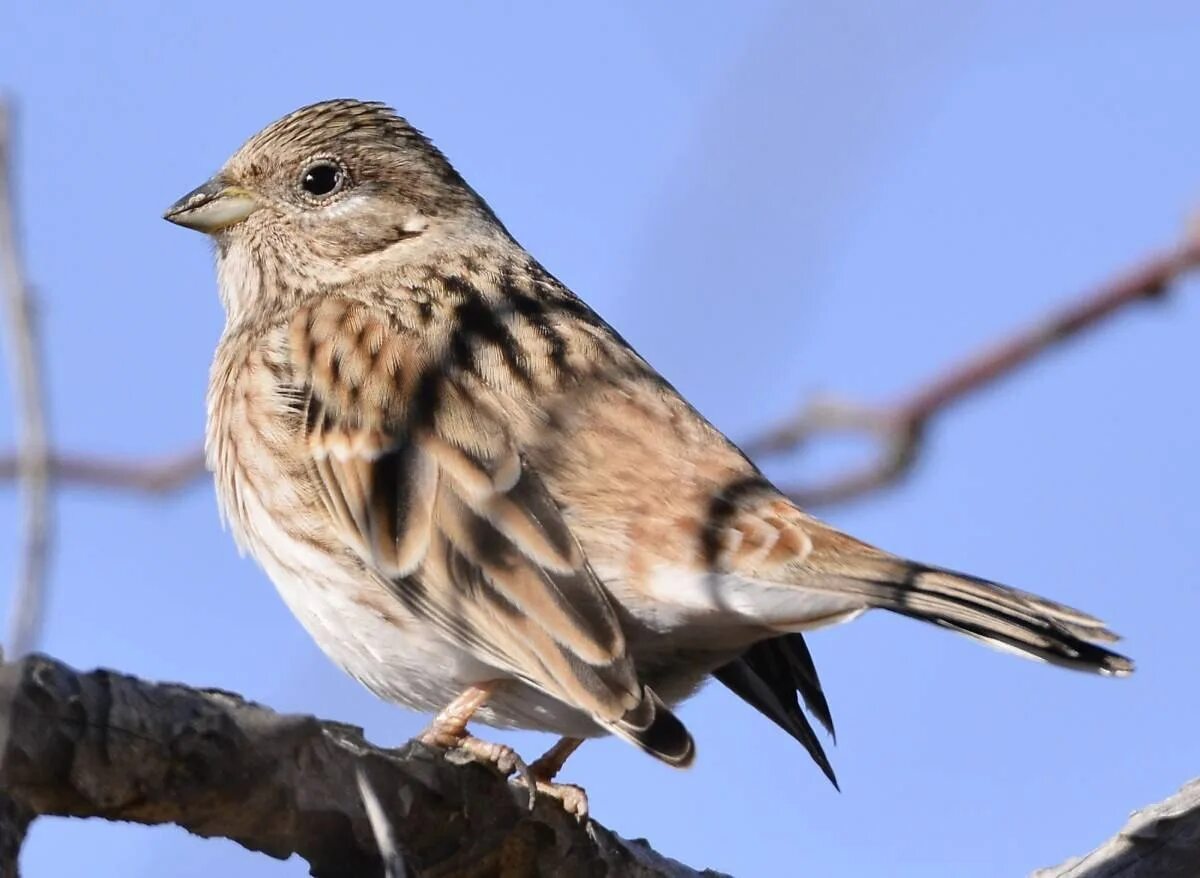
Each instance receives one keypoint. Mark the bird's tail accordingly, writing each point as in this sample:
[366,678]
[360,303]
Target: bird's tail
[995,614]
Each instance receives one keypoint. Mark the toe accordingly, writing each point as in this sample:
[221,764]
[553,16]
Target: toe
[572,798]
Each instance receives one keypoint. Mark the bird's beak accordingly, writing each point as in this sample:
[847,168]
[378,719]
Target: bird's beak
[212,207]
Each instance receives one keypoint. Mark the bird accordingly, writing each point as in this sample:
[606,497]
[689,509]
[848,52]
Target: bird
[483,504]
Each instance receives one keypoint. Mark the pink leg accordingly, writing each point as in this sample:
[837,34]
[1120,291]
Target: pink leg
[449,732]
[546,768]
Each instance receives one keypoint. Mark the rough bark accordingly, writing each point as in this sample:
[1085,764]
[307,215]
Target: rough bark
[1159,841]
[103,744]
[14,822]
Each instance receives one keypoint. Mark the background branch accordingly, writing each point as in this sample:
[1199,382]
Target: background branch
[156,476]
[106,745]
[31,464]
[899,429]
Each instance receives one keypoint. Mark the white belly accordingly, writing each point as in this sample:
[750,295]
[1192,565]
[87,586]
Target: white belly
[370,634]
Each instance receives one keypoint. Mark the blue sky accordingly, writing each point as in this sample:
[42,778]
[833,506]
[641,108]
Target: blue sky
[768,199]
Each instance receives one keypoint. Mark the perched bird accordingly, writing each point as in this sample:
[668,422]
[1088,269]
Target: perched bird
[482,502]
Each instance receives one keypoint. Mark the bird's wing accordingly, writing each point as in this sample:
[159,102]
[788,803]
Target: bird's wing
[427,487]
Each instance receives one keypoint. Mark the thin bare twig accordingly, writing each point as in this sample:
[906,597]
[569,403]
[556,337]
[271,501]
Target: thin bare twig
[33,455]
[390,855]
[162,475]
[900,428]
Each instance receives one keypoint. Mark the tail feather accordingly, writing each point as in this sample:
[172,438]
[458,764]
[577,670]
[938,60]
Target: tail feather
[652,727]
[1000,616]
[799,662]
[774,674]
[769,676]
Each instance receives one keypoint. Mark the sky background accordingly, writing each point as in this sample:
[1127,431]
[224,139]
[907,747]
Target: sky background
[768,198]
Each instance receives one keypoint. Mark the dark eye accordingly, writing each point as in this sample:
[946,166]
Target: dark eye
[323,178]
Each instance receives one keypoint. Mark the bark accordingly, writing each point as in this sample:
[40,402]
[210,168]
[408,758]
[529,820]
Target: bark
[14,821]
[103,744]
[1159,841]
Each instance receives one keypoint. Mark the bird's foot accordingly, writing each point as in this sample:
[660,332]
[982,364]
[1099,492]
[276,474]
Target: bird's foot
[448,732]
[573,799]
[544,769]
[501,757]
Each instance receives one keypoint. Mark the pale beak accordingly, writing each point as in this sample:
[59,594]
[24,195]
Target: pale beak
[212,207]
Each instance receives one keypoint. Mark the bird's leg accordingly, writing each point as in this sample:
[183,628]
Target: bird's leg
[547,766]
[450,725]
[448,731]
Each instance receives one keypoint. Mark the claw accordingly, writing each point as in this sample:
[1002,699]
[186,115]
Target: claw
[573,798]
[448,731]
[501,757]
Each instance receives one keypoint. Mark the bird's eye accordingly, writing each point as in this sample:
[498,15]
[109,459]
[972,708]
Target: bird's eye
[322,179]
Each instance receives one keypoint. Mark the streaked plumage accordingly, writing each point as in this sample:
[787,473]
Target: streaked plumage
[456,473]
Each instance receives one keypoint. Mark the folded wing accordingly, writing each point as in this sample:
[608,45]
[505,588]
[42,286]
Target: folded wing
[456,521]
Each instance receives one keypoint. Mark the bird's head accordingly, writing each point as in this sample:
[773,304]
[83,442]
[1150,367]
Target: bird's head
[329,192]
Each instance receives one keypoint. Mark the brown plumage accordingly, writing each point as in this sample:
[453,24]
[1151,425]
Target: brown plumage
[461,479]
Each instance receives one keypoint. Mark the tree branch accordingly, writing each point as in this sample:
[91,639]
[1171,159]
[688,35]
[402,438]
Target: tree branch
[103,744]
[14,822]
[32,460]
[163,475]
[899,429]
[1159,841]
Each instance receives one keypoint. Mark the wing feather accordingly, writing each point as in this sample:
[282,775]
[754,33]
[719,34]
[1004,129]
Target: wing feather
[469,537]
